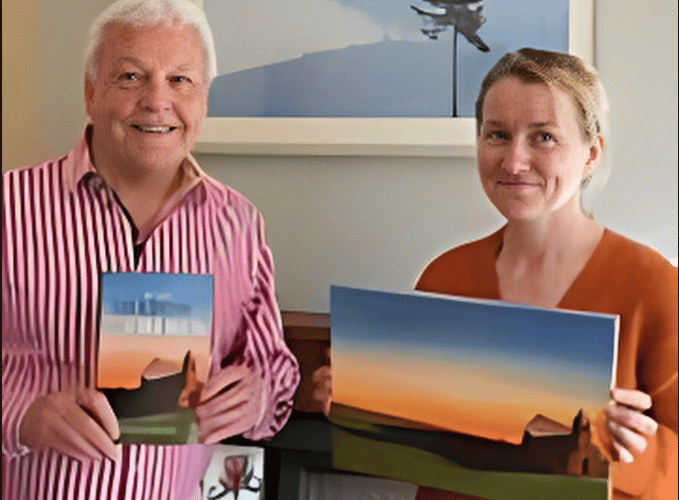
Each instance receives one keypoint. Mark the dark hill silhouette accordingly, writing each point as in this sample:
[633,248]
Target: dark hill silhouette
[571,453]
[389,79]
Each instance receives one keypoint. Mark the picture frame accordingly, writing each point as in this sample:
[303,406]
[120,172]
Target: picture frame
[408,137]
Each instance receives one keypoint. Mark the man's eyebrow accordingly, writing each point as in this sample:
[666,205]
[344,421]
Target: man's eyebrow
[128,59]
[137,62]
[185,67]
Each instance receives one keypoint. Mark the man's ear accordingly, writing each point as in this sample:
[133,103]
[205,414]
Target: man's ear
[89,94]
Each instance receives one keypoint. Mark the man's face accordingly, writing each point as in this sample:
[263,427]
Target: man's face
[149,97]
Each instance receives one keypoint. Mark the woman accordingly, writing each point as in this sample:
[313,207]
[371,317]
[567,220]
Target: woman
[539,140]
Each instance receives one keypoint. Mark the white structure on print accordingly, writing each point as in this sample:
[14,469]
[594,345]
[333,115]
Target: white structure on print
[151,315]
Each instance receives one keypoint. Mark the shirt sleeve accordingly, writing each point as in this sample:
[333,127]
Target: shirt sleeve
[258,340]
[20,366]
[266,349]
[20,375]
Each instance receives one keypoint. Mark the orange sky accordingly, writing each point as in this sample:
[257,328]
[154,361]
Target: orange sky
[473,400]
[122,358]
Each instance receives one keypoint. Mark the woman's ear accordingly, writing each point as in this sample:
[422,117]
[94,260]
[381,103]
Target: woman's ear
[596,149]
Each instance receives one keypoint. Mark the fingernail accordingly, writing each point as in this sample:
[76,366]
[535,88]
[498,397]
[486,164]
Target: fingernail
[626,456]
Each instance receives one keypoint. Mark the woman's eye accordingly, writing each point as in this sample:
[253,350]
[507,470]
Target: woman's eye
[545,136]
[496,135]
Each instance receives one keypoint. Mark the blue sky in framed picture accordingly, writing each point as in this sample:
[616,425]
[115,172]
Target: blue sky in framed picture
[368,58]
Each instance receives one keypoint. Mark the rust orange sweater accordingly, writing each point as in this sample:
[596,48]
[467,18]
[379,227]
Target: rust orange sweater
[621,277]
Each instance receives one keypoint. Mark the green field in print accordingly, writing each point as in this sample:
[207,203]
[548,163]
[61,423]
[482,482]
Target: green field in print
[419,467]
[479,385]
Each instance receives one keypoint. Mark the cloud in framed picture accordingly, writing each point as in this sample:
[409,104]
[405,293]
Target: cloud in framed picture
[366,58]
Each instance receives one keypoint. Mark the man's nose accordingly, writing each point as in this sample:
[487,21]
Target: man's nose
[157,95]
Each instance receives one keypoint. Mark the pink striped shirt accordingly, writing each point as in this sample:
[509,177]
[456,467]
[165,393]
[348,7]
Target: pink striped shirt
[62,227]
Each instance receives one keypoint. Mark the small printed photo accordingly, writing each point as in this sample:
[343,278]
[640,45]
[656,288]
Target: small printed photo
[234,473]
[153,353]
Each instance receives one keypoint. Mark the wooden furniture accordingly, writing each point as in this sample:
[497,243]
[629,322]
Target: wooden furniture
[305,442]
[308,337]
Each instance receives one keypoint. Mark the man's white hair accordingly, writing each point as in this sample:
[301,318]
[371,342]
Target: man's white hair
[142,13]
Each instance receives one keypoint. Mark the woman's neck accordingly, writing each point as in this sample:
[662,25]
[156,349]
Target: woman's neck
[539,260]
[558,234]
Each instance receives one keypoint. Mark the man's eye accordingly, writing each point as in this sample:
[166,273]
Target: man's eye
[129,77]
[545,136]
[179,79]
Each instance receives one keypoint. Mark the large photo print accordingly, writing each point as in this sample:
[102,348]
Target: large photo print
[481,398]
[368,58]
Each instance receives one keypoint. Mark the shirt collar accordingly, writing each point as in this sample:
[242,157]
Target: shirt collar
[78,163]
[78,166]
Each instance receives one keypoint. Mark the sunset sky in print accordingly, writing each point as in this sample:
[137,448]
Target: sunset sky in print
[122,357]
[477,367]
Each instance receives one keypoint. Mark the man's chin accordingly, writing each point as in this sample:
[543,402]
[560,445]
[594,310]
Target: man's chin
[158,162]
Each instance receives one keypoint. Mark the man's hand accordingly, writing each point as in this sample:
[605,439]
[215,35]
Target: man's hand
[230,404]
[627,424]
[80,424]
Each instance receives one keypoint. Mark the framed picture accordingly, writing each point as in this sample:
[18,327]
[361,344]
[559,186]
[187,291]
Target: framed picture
[254,57]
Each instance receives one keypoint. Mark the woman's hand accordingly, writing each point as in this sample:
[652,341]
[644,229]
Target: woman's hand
[80,424]
[627,424]
[322,388]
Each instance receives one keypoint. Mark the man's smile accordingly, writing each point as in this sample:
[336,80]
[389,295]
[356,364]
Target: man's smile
[155,129]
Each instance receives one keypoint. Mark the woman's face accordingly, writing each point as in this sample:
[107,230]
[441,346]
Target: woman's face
[530,151]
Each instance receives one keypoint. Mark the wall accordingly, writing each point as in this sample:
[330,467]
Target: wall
[375,222]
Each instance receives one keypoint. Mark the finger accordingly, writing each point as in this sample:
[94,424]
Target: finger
[632,398]
[86,425]
[244,390]
[632,419]
[232,413]
[623,453]
[98,407]
[321,374]
[68,441]
[321,395]
[223,379]
[236,422]
[627,437]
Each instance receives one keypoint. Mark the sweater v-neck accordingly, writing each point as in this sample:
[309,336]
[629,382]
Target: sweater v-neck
[566,302]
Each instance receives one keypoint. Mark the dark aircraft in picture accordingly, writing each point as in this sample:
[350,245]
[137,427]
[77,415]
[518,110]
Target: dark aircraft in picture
[463,15]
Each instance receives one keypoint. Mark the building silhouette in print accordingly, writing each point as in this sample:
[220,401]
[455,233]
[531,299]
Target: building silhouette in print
[151,315]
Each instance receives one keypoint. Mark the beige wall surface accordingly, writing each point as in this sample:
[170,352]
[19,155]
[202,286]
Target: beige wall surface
[373,221]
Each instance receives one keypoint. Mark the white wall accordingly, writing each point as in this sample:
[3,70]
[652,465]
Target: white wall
[375,222]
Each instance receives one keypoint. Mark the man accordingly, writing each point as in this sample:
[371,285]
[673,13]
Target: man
[130,198]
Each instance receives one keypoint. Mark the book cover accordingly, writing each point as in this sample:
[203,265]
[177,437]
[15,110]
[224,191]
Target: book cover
[478,397]
[153,352]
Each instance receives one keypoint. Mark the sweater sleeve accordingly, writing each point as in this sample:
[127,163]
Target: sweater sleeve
[654,319]
[656,469]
